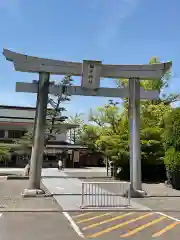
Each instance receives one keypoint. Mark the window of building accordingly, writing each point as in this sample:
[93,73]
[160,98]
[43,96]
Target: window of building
[1,133]
[15,133]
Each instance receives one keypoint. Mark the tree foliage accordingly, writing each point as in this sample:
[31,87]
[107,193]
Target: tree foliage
[54,115]
[75,133]
[54,118]
[108,128]
[172,140]
[4,151]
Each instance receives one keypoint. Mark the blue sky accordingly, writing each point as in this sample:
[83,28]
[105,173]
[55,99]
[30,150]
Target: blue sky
[114,31]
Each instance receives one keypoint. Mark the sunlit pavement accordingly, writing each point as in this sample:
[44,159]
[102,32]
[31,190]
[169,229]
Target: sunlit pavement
[107,225]
[129,225]
[31,225]
[116,225]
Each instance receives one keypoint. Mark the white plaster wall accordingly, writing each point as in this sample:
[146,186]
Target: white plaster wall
[61,137]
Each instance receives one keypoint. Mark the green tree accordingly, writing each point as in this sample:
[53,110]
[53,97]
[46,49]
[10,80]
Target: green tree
[112,122]
[89,136]
[54,118]
[110,128]
[156,84]
[152,115]
[4,151]
[172,147]
[54,115]
[152,118]
[76,132]
[171,133]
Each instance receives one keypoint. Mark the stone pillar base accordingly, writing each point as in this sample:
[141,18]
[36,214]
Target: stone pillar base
[32,192]
[136,193]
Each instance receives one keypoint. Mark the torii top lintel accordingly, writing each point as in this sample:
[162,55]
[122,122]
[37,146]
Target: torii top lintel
[25,63]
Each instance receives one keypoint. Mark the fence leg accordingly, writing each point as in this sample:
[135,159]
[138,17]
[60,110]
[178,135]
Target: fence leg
[129,197]
[107,167]
[82,196]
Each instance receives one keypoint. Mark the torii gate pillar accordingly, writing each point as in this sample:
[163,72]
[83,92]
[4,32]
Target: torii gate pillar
[91,72]
[134,132]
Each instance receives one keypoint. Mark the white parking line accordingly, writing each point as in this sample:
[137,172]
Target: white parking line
[172,218]
[73,224]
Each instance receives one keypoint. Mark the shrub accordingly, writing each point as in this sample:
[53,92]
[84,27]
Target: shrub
[172,160]
[172,130]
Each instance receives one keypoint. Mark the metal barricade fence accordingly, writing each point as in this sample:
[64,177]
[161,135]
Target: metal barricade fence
[101,194]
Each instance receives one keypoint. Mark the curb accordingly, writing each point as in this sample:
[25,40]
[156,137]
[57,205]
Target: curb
[3,177]
[45,177]
[14,177]
[161,196]
[60,210]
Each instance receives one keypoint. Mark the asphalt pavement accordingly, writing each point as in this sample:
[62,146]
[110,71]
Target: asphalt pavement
[129,225]
[35,226]
[31,225]
[105,225]
[117,225]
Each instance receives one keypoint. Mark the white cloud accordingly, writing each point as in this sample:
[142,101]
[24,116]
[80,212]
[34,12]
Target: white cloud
[116,12]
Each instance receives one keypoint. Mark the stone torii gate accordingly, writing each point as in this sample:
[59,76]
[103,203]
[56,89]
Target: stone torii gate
[91,72]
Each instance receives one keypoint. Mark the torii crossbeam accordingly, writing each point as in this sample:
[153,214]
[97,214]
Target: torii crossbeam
[91,72]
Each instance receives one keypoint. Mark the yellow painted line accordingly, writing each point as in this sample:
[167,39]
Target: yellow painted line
[134,231]
[107,230]
[92,218]
[164,230]
[107,221]
[82,215]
